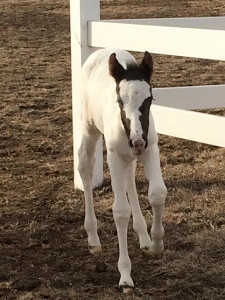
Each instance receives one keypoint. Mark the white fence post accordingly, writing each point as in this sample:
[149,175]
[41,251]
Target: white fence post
[82,11]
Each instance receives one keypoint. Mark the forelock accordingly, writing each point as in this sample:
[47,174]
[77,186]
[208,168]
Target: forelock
[134,90]
[133,72]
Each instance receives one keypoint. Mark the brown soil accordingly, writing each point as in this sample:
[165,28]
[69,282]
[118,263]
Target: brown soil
[43,246]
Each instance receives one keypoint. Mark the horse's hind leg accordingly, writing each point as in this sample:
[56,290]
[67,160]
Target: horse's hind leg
[86,165]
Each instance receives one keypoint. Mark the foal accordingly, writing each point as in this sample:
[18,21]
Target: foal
[116,101]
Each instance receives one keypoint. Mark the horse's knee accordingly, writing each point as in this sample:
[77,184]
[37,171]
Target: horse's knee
[157,195]
[121,215]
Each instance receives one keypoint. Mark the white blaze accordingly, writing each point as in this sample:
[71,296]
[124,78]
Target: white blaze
[133,93]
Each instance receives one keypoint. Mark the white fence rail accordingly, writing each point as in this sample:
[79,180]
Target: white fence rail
[191,97]
[198,127]
[159,37]
[192,37]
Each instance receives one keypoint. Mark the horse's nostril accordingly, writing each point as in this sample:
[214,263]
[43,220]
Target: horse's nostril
[138,143]
[130,143]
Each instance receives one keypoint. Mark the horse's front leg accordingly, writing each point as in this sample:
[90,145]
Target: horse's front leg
[121,215]
[157,195]
[139,223]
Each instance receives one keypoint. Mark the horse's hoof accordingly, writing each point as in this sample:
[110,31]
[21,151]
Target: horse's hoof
[95,249]
[126,289]
[155,255]
[146,251]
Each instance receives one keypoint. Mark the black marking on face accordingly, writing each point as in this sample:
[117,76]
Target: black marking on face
[124,119]
[144,118]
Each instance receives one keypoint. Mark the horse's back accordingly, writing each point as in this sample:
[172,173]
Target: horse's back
[98,61]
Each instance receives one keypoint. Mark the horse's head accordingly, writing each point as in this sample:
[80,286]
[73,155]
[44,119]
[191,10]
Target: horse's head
[134,97]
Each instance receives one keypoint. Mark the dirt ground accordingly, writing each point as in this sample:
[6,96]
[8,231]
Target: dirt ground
[43,246]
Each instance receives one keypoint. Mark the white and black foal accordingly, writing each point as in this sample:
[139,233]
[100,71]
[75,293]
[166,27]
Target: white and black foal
[116,101]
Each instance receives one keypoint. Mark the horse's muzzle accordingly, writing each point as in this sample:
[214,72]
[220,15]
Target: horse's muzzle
[138,146]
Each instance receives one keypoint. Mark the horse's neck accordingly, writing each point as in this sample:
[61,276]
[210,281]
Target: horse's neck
[100,98]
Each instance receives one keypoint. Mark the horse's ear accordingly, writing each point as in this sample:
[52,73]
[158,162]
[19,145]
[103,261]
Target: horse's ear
[147,65]
[116,70]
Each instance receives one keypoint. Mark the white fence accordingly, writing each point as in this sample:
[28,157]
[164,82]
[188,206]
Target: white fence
[192,37]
